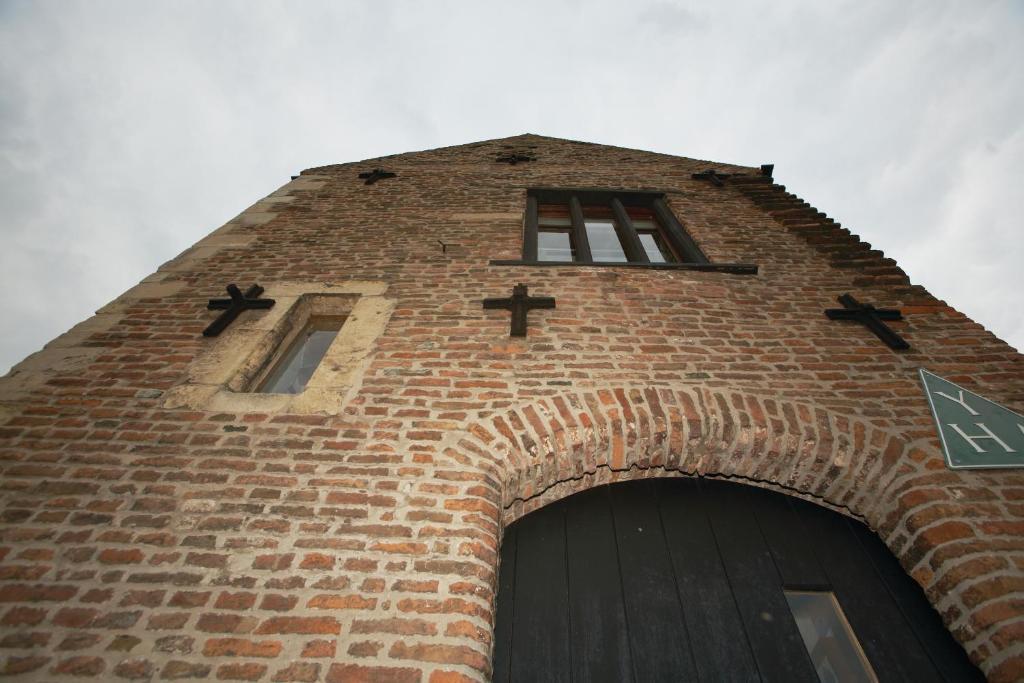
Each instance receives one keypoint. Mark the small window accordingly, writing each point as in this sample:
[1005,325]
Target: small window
[555,245]
[834,650]
[604,226]
[554,237]
[292,371]
[603,235]
[655,245]
[296,358]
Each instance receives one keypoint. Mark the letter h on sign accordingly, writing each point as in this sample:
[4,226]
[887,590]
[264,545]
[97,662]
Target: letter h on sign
[975,432]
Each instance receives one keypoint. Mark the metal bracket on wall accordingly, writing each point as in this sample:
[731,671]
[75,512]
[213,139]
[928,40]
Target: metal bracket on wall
[717,179]
[514,158]
[520,304]
[376,174]
[234,307]
[871,317]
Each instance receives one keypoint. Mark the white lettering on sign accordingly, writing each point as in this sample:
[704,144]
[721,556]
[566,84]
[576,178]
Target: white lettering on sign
[959,400]
[987,435]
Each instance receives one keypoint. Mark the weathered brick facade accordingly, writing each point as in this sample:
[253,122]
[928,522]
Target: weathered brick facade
[150,534]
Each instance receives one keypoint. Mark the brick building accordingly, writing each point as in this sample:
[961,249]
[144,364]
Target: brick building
[167,517]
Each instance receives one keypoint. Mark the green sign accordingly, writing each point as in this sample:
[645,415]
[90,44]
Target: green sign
[975,432]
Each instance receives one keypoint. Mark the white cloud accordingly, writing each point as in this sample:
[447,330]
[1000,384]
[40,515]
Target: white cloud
[129,130]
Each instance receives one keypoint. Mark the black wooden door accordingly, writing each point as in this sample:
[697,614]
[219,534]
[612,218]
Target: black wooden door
[684,579]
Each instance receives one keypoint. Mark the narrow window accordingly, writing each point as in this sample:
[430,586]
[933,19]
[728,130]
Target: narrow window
[555,245]
[554,234]
[655,245]
[603,235]
[300,361]
[604,243]
[834,650]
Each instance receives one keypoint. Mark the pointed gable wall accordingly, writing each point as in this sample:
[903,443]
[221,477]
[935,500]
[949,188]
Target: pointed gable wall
[152,530]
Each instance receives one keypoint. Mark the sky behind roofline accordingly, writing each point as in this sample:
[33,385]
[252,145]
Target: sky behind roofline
[130,130]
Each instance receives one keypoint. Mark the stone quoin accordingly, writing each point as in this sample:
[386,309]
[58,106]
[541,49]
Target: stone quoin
[164,519]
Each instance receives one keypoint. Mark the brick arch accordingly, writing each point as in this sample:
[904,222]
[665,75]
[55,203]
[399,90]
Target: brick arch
[555,446]
[561,444]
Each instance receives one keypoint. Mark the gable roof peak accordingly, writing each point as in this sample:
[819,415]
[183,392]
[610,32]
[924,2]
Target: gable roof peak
[521,138]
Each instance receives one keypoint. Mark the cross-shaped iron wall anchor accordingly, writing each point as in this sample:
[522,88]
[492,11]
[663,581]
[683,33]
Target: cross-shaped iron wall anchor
[514,158]
[376,174]
[717,179]
[234,306]
[872,317]
[520,304]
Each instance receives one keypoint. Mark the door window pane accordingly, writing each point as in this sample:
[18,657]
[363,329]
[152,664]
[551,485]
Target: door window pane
[604,242]
[834,649]
[555,246]
[297,365]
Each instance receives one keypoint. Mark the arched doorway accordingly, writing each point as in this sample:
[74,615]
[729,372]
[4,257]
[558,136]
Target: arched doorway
[698,579]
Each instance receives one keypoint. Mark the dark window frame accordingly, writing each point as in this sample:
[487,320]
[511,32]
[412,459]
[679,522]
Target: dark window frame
[675,234]
[691,256]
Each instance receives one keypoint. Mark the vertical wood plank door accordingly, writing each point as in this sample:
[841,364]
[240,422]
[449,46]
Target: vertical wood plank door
[687,580]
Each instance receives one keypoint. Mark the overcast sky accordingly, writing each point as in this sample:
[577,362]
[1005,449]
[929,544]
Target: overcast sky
[129,130]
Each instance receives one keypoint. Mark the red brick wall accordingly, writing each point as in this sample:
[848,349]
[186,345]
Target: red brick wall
[141,542]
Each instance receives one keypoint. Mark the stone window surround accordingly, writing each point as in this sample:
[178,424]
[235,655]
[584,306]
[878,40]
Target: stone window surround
[223,376]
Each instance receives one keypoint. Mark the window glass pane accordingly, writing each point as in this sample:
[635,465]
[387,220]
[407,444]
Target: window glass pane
[295,367]
[555,246]
[604,242]
[834,649]
[657,250]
